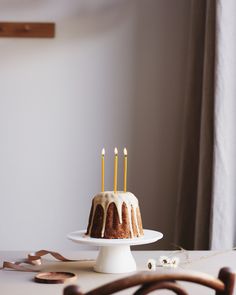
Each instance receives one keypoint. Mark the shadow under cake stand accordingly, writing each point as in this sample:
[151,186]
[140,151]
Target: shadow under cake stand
[114,254]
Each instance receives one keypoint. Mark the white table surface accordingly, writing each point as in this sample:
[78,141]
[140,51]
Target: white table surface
[21,283]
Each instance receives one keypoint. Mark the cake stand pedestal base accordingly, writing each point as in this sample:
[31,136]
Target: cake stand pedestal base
[115,259]
[114,254]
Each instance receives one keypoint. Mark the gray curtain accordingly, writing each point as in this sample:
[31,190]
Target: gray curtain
[193,218]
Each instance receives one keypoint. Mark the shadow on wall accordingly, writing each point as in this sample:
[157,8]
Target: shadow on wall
[96,19]
[158,111]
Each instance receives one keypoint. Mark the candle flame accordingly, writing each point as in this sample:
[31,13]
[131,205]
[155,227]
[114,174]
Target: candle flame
[116,151]
[103,152]
[125,152]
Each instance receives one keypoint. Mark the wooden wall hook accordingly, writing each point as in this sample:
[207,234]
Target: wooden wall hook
[29,30]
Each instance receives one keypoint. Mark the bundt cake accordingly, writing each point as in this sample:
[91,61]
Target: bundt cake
[115,215]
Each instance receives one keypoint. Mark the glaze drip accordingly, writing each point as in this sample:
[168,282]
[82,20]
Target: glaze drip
[104,199]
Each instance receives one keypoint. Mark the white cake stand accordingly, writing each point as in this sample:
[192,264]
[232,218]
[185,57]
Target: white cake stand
[114,254]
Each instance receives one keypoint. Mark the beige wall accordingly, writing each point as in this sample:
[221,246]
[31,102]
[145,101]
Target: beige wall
[114,75]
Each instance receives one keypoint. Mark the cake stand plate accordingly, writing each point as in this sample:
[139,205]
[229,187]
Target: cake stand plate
[114,254]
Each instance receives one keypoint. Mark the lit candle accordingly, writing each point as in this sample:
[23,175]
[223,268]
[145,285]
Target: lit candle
[103,168]
[125,169]
[115,169]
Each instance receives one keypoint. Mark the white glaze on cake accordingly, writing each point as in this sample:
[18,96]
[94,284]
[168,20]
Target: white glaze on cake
[106,198]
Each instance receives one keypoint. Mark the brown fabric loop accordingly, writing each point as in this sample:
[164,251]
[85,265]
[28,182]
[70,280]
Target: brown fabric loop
[35,259]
